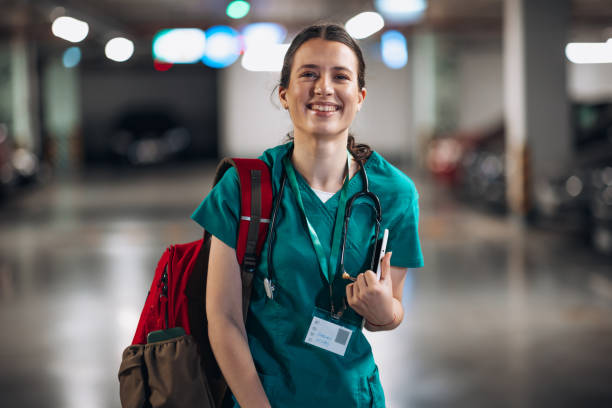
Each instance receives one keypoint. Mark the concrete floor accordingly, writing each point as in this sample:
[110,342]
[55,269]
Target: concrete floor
[501,315]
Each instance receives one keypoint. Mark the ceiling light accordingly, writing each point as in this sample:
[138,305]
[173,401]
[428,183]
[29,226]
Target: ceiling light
[179,45]
[222,47]
[70,29]
[258,34]
[401,10]
[238,9]
[589,53]
[265,58]
[119,49]
[364,25]
[393,49]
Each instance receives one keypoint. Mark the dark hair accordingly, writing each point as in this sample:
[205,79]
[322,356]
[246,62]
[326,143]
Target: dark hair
[329,32]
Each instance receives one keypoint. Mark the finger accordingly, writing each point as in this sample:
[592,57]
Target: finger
[361,281]
[352,299]
[363,287]
[357,288]
[370,278]
[386,266]
[350,293]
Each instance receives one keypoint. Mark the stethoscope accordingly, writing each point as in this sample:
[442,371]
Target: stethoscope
[364,193]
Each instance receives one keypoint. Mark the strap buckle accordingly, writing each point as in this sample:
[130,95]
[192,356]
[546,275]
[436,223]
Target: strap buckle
[249,263]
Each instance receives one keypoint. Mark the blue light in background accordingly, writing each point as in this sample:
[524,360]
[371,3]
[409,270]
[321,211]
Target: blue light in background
[222,47]
[71,57]
[179,45]
[393,49]
[263,34]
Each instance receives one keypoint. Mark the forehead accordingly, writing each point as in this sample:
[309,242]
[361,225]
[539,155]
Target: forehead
[324,53]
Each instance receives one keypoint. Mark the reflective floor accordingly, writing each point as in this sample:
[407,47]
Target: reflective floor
[502,315]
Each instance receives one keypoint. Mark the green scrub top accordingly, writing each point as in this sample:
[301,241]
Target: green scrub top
[294,373]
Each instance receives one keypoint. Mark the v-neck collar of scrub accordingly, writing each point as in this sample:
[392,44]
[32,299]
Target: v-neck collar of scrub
[330,206]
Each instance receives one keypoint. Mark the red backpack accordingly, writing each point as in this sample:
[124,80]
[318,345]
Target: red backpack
[170,362]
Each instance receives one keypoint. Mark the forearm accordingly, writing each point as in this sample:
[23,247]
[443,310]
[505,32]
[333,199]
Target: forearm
[231,349]
[392,322]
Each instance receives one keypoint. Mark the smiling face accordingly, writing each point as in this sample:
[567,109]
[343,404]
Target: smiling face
[323,94]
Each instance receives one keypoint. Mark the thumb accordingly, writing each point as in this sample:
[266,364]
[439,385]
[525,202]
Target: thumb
[386,266]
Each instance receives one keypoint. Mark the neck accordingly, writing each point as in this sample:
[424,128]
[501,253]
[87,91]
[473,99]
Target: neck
[321,162]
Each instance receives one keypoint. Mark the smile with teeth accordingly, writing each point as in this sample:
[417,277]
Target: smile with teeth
[324,108]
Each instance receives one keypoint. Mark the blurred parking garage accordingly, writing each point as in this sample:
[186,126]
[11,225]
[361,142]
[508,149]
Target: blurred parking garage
[505,128]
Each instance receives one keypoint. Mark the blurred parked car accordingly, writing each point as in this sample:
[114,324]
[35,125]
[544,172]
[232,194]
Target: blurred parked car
[7,171]
[601,208]
[148,136]
[582,198]
[472,163]
[18,165]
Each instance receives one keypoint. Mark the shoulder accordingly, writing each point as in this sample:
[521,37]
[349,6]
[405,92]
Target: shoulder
[388,181]
[273,157]
[229,182]
[400,211]
[274,154]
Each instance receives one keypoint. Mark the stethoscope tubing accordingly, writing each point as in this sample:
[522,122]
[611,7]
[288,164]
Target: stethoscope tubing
[347,215]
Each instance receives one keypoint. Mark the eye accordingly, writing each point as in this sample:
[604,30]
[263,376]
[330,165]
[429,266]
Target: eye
[308,74]
[343,77]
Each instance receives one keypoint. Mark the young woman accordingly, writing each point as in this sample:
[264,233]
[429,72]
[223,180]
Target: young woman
[303,343]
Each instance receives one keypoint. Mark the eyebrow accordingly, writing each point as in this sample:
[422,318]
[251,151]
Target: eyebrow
[337,68]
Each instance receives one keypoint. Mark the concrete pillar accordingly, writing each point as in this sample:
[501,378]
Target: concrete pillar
[447,84]
[423,99]
[6,91]
[25,105]
[63,120]
[538,137]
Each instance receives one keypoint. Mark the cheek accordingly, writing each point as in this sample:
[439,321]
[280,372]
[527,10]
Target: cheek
[351,97]
[352,104]
[295,98]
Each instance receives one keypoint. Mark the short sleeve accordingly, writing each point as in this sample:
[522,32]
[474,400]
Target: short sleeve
[219,212]
[404,238]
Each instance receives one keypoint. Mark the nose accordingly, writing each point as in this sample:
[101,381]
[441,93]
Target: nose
[323,86]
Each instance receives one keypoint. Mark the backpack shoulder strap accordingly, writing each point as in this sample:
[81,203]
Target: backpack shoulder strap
[255,207]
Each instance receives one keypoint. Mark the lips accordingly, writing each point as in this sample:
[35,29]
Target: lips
[323,107]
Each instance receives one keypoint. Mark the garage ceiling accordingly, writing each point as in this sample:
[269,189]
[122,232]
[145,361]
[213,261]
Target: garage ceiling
[144,17]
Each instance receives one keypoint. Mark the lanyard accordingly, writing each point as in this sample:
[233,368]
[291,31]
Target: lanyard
[328,268]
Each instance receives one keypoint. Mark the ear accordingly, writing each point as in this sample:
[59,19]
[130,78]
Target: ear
[282,97]
[361,97]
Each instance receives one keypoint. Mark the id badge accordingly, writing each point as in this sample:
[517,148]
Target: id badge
[328,333]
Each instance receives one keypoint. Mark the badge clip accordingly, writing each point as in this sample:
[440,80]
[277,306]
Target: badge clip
[269,287]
